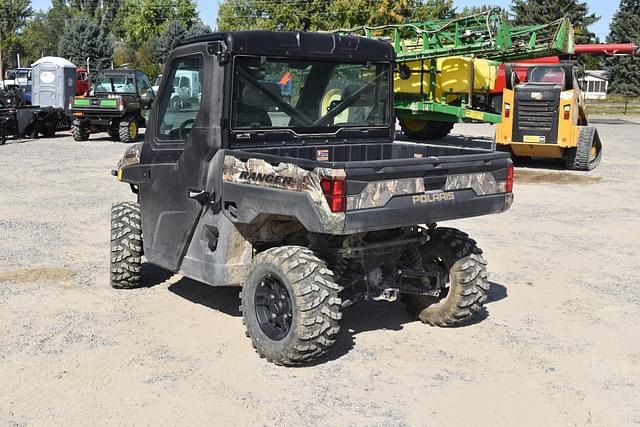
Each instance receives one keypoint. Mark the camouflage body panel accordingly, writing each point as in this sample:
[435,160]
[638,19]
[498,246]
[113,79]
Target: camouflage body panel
[286,176]
[481,183]
[378,193]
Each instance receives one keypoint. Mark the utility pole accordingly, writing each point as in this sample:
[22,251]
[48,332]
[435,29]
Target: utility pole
[1,70]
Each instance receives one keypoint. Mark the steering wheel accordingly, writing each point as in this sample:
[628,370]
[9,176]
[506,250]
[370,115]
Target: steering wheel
[183,131]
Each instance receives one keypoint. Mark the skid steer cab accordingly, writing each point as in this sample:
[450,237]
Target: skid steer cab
[545,116]
[281,175]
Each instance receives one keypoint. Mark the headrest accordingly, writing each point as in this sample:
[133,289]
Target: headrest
[255,97]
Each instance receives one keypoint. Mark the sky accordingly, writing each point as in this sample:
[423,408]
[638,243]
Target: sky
[604,8]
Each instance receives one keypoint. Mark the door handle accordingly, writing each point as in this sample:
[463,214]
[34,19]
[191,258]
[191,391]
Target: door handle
[200,195]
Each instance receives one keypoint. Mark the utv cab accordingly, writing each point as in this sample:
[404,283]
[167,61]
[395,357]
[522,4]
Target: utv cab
[118,105]
[282,176]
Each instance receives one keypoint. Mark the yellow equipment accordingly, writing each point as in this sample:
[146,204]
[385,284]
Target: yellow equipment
[546,117]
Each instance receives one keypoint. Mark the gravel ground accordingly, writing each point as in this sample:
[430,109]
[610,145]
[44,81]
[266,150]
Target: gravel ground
[559,343]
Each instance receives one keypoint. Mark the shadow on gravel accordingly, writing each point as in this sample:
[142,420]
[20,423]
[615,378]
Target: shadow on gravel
[221,298]
[373,316]
[362,317]
[153,275]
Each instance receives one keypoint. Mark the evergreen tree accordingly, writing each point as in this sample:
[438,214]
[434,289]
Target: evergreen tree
[531,12]
[624,72]
[83,38]
[174,32]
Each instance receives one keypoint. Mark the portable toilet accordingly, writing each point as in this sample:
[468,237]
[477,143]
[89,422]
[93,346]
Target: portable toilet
[53,82]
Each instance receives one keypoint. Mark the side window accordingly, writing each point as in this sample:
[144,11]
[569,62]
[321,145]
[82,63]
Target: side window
[179,103]
[142,83]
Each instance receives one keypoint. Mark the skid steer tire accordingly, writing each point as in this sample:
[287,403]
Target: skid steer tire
[425,129]
[290,305]
[468,283]
[126,245]
[588,153]
[79,133]
[128,129]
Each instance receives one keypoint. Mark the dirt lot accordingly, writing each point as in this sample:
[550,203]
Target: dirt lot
[559,343]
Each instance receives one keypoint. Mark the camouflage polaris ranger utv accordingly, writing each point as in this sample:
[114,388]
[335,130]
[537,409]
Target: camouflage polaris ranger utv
[308,204]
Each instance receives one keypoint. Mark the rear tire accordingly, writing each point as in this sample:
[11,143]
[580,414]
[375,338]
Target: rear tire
[79,133]
[425,129]
[128,129]
[290,305]
[126,245]
[588,153]
[468,283]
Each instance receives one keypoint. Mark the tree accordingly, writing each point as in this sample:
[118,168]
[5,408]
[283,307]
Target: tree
[83,38]
[314,15]
[13,16]
[174,32]
[141,21]
[474,10]
[531,12]
[624,72]
[41,35]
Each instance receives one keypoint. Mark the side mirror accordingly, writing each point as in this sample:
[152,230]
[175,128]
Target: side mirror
[147,99]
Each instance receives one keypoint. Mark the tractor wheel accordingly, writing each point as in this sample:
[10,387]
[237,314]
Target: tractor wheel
[467,287]
[290,305]
[425,129]
[128,129]
[126,245]
[79,133]
[588,153]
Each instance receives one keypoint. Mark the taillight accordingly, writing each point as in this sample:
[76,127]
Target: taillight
[567,112]
[509,186]
[70,102]
[335,192]
[507,110]
[121,104]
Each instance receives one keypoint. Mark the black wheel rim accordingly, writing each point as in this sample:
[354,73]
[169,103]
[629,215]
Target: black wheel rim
[273,308]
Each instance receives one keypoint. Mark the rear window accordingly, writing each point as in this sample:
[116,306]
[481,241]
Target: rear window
[115,84]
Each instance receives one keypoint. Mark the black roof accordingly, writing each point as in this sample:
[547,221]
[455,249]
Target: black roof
[301,44]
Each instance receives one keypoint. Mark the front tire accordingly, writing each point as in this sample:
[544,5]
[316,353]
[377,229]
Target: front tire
[126,245]
[467,286]
[290,305]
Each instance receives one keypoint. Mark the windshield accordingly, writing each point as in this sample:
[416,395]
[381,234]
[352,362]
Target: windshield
[550,75]
[308,96]
[115,84]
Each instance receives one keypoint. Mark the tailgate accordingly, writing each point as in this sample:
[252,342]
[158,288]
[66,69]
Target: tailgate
[92,104]
[406,192]
[348,197]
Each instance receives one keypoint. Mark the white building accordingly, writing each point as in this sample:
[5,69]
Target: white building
[594,84]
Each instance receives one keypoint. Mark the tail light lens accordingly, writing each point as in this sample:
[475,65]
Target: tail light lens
[70,102]
[509,187]
[567,112]
[121,104]
[335,192]
[507,110]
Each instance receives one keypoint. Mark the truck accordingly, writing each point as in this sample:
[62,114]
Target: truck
[308,208]
[118,106]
